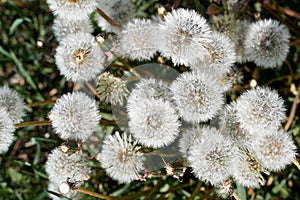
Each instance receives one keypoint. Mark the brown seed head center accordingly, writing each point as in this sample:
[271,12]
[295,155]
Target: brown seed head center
[79,56]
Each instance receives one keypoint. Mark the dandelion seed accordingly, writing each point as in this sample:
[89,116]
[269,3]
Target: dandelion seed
[6,131]
[79,57]
[267,43]
[72,9]
[75,116]
[220,54]
[63,27]
[274,150]
[210,156]
[184,35]
[121,158]
[197,96]
[61,166]
[138,39]
[111,89]
[260,108]
[12,103]
[120,11]
[153,122]
[246,170]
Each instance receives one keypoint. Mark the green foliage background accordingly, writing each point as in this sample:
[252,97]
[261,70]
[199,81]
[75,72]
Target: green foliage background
[30,70]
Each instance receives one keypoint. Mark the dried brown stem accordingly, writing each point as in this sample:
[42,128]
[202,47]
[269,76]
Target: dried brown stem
[94,194]
[34,123]
[293,110]
[106,17]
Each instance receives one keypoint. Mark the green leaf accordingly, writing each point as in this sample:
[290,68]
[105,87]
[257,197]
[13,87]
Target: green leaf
[241,192]
[17,23]
[14,175]
[23,72]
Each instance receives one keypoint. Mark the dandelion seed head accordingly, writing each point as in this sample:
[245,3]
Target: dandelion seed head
[210,156]
[63,27]
[184,34]
[220,54]
[230,127]
[139,39]
[267,43]
[120,11]
[197,96]
[188,137]
[260,108]
[246,170]
[111,89]
[12,103]
[72,9]
[75,116]
[62,166]
[6,130]
[153,122]
[121,158]
[79,57]
[235,29]
[275,150]
[147,88]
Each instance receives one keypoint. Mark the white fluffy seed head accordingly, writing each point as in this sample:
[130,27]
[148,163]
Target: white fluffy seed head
[236,30]
[230,126]
[184,34]
[6,130]
[147,88]
[210,156]
[72,9]
[121,158]
[197,96]
[61,167]
[120,11]
[75,116]
[274,150]
[138,39]
[267,43]
[63,27]
[79,57]
[260,108]
[153,122]
[246,170]
[220,54]
[188,137]
[111,89]
[12,103]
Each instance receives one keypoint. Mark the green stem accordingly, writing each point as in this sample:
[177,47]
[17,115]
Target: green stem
[196,191]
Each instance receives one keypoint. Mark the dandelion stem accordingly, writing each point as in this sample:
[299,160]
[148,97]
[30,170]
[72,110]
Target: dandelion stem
[93,90]
[196,191]
[48,102]
[93,194]
[34,123]
[235,196]
[293,110]
[296,163]
[106,17]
